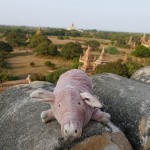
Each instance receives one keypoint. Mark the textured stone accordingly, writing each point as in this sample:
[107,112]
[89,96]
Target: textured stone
[142,75]
[21,127]
[128,102]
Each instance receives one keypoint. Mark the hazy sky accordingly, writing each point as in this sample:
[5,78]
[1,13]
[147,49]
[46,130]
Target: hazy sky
[111,15]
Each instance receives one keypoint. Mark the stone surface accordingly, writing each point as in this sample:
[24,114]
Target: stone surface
[21,127]
[128,102]
[142,75]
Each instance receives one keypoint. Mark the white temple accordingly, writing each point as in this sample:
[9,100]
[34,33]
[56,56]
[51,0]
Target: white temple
[72,27]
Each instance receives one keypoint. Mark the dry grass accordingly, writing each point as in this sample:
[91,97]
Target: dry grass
[21,59]
[55,40]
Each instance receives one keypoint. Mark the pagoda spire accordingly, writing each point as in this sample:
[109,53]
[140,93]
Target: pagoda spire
[88,52]
[125,60]
[126,57]
[102,54]
[102,58]
[39,31]
[130,39]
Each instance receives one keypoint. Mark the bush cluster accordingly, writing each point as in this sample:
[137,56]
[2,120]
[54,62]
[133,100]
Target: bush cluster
[141,51]
[54,76]
[119,68]
[43,46]
[71,50]
[111,50]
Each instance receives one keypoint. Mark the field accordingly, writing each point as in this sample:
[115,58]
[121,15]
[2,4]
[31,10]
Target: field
[21,58]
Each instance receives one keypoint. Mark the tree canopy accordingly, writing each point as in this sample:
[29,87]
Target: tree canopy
[5,47]
[112,50]
[54,76]
[16,38]
[45,48]
[141,51]
[71,50]
[93,43]
[38,39]
[113,67]
[133,67]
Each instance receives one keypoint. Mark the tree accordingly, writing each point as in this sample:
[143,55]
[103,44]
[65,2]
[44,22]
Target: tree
[4,64]
[121,42]
[93,43]
[52,50]
[133,67]
[112,50]
[50,64]
[38,39]
[113,67]
[32,64]
[37,77]
[45,48]
[16,38]
[3,76]
[54,76]
[5,47]
[76,63]
[42,48]
[71,50]
[141,51]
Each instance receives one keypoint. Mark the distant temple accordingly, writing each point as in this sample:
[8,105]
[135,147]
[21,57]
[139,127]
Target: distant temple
[131,43]
[102,58]
[5,85]
[89,61]
[125,60]
[72,27]
[39,31]
[145,41]
[28,36]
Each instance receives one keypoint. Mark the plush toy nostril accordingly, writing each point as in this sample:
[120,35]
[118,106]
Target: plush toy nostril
[66,131]
[76,131]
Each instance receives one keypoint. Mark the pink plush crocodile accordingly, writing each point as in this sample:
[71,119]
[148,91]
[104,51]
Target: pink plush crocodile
[72,103]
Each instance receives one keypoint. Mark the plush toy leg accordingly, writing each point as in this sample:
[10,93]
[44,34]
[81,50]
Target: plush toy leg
[100,116]
[47,115]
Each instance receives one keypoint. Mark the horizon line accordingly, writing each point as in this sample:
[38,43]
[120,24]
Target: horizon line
[103,30]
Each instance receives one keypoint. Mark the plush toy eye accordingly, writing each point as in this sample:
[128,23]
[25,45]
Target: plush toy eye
[87,99]
[79,103]
[41,93]
[58,104]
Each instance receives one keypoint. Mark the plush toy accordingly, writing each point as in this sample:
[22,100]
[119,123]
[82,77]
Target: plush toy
[72,103]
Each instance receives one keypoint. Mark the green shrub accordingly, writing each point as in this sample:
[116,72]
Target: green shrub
[37,77]
[38,39]
[133,67]
[93,43]
[16,38]
[71,50]
[13,78]
[4,64]
[113,67]
[66,37]
[60,37]
[3,77]
[75,64]
[32,64]
[112,50]
[46,49]
[141,51]
[54,76]
[49,64]
[5,47]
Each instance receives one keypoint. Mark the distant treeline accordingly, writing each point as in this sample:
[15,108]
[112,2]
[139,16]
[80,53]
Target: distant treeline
[117,38]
